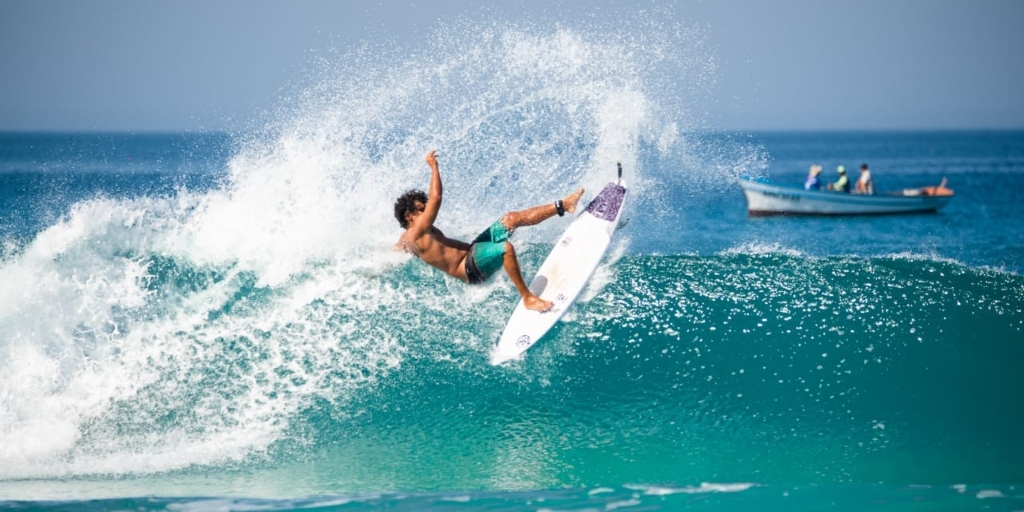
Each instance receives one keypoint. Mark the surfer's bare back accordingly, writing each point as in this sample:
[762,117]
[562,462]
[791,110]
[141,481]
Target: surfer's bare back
[477,261]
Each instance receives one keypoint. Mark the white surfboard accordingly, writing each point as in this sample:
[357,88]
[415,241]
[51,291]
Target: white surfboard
[565,272]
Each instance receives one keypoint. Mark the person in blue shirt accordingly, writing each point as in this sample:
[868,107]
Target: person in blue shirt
[813,183]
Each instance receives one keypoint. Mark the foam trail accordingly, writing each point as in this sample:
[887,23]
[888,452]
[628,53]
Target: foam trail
[155,334]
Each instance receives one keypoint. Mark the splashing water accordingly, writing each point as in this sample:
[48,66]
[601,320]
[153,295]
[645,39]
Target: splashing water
[152,334]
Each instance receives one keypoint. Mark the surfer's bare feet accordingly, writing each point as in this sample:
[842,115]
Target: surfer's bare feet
[535,303]
[570,202]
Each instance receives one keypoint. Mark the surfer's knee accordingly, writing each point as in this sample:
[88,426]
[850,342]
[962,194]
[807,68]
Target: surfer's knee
[510,220]
[509,258]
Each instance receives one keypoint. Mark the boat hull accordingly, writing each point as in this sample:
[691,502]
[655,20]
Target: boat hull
[766,198]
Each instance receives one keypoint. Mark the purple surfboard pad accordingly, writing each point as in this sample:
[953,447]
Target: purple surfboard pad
[606,205]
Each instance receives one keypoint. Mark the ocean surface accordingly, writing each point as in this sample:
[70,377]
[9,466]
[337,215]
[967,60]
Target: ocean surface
[217,321]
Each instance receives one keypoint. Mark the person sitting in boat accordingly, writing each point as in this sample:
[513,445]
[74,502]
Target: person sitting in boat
[842,184]
[813,183]
[864,185]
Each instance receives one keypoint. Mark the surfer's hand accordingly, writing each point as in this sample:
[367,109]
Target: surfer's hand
[432,158]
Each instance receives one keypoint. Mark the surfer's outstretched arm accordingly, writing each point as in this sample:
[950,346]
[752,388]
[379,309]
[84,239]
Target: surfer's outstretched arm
[433,205]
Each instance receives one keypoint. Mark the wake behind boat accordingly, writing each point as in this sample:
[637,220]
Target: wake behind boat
[765,197]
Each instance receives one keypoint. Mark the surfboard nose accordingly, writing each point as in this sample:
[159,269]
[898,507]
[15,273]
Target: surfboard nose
[498,357]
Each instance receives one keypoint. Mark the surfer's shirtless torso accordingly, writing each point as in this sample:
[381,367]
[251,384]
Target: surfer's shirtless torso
[438,251]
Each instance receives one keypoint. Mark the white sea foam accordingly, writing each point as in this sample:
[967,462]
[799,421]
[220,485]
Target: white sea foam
[989,493]
[149,335]
[915,256]
[704,487]
[758,248]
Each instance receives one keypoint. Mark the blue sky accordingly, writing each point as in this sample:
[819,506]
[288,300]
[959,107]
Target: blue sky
[784,64]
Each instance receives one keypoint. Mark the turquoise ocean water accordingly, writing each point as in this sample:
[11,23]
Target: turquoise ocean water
[204,321]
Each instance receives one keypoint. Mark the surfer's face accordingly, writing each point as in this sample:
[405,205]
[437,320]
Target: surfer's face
[418,209]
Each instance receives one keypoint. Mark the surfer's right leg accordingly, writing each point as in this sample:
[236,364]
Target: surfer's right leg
[538,214]
[511,264]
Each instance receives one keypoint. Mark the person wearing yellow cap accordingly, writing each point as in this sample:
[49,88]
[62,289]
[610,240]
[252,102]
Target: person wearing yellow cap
[843,183]
[813,183]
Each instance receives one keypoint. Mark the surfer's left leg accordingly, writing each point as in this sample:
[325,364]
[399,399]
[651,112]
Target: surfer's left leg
[511,264]
[538,214]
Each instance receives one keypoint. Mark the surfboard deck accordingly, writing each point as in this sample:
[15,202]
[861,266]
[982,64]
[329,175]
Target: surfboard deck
[565,272]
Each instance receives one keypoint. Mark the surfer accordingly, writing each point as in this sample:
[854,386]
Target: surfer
[477,261]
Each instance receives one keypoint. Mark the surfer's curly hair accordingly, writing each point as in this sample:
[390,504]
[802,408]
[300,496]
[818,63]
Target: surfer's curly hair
[406,204]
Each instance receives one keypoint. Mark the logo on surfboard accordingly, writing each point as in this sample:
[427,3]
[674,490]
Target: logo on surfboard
[523,341]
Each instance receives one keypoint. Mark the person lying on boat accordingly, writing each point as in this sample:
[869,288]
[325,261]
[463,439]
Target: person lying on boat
[813,182]
[940,190]
[842,184]
[864,185]
[477,261]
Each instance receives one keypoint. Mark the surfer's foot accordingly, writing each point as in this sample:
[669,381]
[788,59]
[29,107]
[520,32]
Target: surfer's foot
[535,303]
[569,203]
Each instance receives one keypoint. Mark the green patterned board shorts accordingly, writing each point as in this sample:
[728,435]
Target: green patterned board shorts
[486,253]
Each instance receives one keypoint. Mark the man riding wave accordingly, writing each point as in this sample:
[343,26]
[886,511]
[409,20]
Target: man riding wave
[477,261]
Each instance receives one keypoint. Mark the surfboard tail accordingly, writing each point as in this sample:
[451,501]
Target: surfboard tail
[607,204]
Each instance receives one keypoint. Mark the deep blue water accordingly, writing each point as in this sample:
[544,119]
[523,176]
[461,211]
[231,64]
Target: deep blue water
[209,321]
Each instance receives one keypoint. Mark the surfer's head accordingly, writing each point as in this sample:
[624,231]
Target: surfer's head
[412,202]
